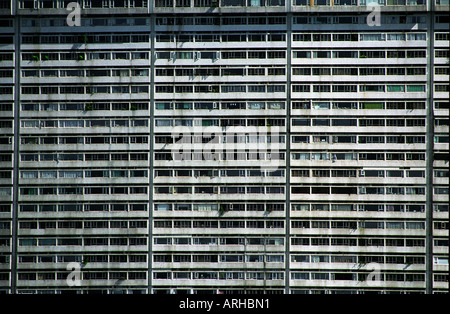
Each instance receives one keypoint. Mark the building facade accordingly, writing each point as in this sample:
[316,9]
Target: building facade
[224,146]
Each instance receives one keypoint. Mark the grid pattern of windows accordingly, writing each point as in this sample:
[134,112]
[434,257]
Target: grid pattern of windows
[239,152]
[7,144]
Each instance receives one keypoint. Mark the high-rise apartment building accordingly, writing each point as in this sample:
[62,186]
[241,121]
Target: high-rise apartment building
[224,146]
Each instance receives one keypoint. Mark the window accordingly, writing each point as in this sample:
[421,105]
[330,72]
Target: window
[345,54]
[416,36]
[441,71]
[301,88]
[441,36]
[441,88]
[349,88]
[320,139]
[372,37]
[302,54]
[345,37]
[321,54]
[415,88]
[371,88]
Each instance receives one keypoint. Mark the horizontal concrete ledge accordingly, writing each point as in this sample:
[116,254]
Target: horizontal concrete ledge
[226,10]
[357,250]
[85,215]
[357,9]
[85,232]
[111,284]
[246,283]
[104,266]
[194,266]
[83,249]
[355,267]
[84,12]
[216,248]
[354,284]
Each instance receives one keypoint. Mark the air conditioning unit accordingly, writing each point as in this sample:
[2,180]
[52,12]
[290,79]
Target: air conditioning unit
[215,105]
